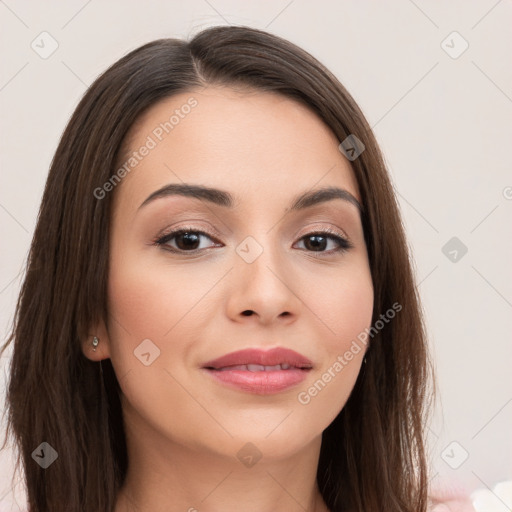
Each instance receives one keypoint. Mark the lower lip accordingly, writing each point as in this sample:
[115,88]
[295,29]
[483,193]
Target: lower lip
[261,383]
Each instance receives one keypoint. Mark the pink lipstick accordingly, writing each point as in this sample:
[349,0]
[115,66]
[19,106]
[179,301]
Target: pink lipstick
[260,372]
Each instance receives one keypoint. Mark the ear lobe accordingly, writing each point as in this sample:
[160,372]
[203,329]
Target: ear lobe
[97,345]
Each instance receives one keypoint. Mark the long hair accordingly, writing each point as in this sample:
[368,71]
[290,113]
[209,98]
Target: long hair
[372,455]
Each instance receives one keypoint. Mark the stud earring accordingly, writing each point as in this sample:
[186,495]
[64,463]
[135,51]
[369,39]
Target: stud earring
[95,342]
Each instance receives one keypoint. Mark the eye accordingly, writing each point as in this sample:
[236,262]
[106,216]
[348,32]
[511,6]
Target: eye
[186,240]
[189,240]
[319,240]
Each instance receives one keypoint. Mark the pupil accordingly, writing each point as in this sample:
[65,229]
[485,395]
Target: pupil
[316,244]
[191,240]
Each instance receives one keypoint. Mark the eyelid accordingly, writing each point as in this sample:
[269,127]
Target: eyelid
[323,229]
[187,227]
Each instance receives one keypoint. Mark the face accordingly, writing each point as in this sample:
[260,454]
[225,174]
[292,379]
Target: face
[258,273]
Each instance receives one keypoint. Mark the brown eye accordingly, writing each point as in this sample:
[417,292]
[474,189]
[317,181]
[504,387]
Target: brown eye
[185,240]
[319,241]
[315,242]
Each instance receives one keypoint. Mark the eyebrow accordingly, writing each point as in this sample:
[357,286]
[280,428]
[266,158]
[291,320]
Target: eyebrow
[225,199]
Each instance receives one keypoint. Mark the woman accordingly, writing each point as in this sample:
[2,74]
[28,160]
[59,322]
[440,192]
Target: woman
[219,310]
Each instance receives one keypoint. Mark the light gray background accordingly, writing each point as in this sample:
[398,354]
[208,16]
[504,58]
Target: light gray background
[444,124]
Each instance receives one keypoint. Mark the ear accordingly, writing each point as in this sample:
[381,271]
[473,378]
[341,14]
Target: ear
[102,349]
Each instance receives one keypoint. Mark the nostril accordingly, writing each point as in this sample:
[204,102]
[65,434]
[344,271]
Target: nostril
[247,312]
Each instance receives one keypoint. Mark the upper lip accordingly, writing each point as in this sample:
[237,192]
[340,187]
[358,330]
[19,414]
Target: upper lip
[270,357]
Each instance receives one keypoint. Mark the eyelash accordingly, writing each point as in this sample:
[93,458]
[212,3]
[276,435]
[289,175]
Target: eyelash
[161,241]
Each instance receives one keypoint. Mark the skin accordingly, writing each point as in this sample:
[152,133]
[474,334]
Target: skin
[183,428]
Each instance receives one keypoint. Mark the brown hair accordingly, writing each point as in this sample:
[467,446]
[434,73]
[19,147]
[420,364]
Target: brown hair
[372,455]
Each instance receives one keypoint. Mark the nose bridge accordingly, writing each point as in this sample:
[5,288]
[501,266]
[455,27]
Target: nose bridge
[257,255]
[263,277]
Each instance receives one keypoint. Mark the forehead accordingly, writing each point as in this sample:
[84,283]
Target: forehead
[244,140]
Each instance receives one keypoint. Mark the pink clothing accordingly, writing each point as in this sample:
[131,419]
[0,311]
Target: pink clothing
[450,497]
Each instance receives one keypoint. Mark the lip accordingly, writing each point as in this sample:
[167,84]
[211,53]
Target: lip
[271,357]
[262,382]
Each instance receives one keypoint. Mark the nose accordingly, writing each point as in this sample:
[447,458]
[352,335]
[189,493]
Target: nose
[263,290]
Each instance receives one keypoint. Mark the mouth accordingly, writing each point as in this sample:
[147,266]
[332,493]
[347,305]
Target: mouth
[260,372]
[258,367]
[255,359]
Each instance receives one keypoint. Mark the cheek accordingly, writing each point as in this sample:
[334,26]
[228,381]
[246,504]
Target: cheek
[141,307]
[156,301]
[139,303]
[344,305]
[147,300]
